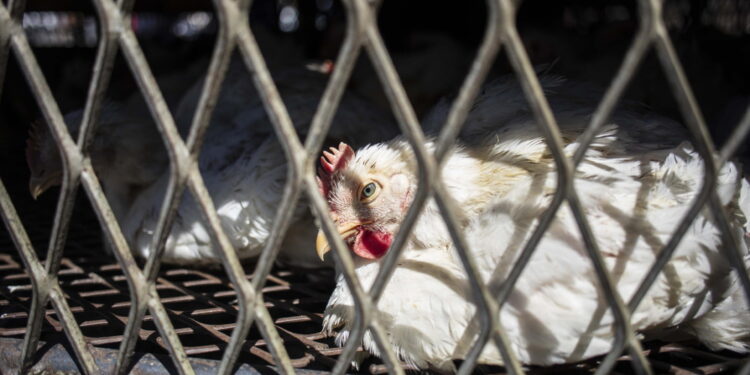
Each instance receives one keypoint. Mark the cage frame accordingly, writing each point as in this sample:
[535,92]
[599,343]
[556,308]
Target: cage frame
[116,35]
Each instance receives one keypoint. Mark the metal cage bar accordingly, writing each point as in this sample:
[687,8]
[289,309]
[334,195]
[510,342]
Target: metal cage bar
[361,33]
[45,286]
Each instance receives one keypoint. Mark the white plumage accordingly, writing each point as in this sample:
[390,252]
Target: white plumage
[636,183]
[241,161]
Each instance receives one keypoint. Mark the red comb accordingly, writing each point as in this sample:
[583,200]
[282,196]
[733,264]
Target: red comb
[333,160]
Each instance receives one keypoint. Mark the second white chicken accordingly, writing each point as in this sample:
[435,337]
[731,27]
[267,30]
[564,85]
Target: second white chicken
[636,183]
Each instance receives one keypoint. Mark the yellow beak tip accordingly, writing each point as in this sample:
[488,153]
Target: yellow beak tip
[346,230]
[321,245]
[35,193]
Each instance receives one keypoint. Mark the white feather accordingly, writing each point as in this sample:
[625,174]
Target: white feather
[636,183]
[244,169]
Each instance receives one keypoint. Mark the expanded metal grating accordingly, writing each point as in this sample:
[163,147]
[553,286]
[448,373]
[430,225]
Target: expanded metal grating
[202,306]
[200,303]
[132,308]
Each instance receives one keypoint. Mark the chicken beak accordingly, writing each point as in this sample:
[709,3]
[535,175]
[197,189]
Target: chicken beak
[346,230]
[321,245]
[35,190]
[38,186]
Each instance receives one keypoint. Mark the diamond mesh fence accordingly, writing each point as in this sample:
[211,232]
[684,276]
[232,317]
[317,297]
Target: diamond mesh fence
[110,314]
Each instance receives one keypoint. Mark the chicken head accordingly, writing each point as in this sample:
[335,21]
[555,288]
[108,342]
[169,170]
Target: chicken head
[368,194]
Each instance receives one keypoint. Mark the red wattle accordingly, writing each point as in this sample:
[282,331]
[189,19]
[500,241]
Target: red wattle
[372,245]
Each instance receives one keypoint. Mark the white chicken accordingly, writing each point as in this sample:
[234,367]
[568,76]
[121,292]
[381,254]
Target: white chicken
[111,157]
[127,151]
[241,162]
[635,184]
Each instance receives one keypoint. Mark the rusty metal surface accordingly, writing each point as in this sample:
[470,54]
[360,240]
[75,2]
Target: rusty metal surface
[200,302]
[54,358]
[202,306]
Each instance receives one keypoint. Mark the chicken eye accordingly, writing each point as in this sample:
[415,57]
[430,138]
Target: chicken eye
[369,191]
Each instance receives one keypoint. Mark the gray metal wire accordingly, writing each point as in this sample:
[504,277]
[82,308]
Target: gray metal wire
[45,287]
[362,33]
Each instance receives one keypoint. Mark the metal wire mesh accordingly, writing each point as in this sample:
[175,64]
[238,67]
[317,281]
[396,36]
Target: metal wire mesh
[202,306]
[148,294]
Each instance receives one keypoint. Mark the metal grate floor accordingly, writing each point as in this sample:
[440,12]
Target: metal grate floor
[200,301]
[201,305]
